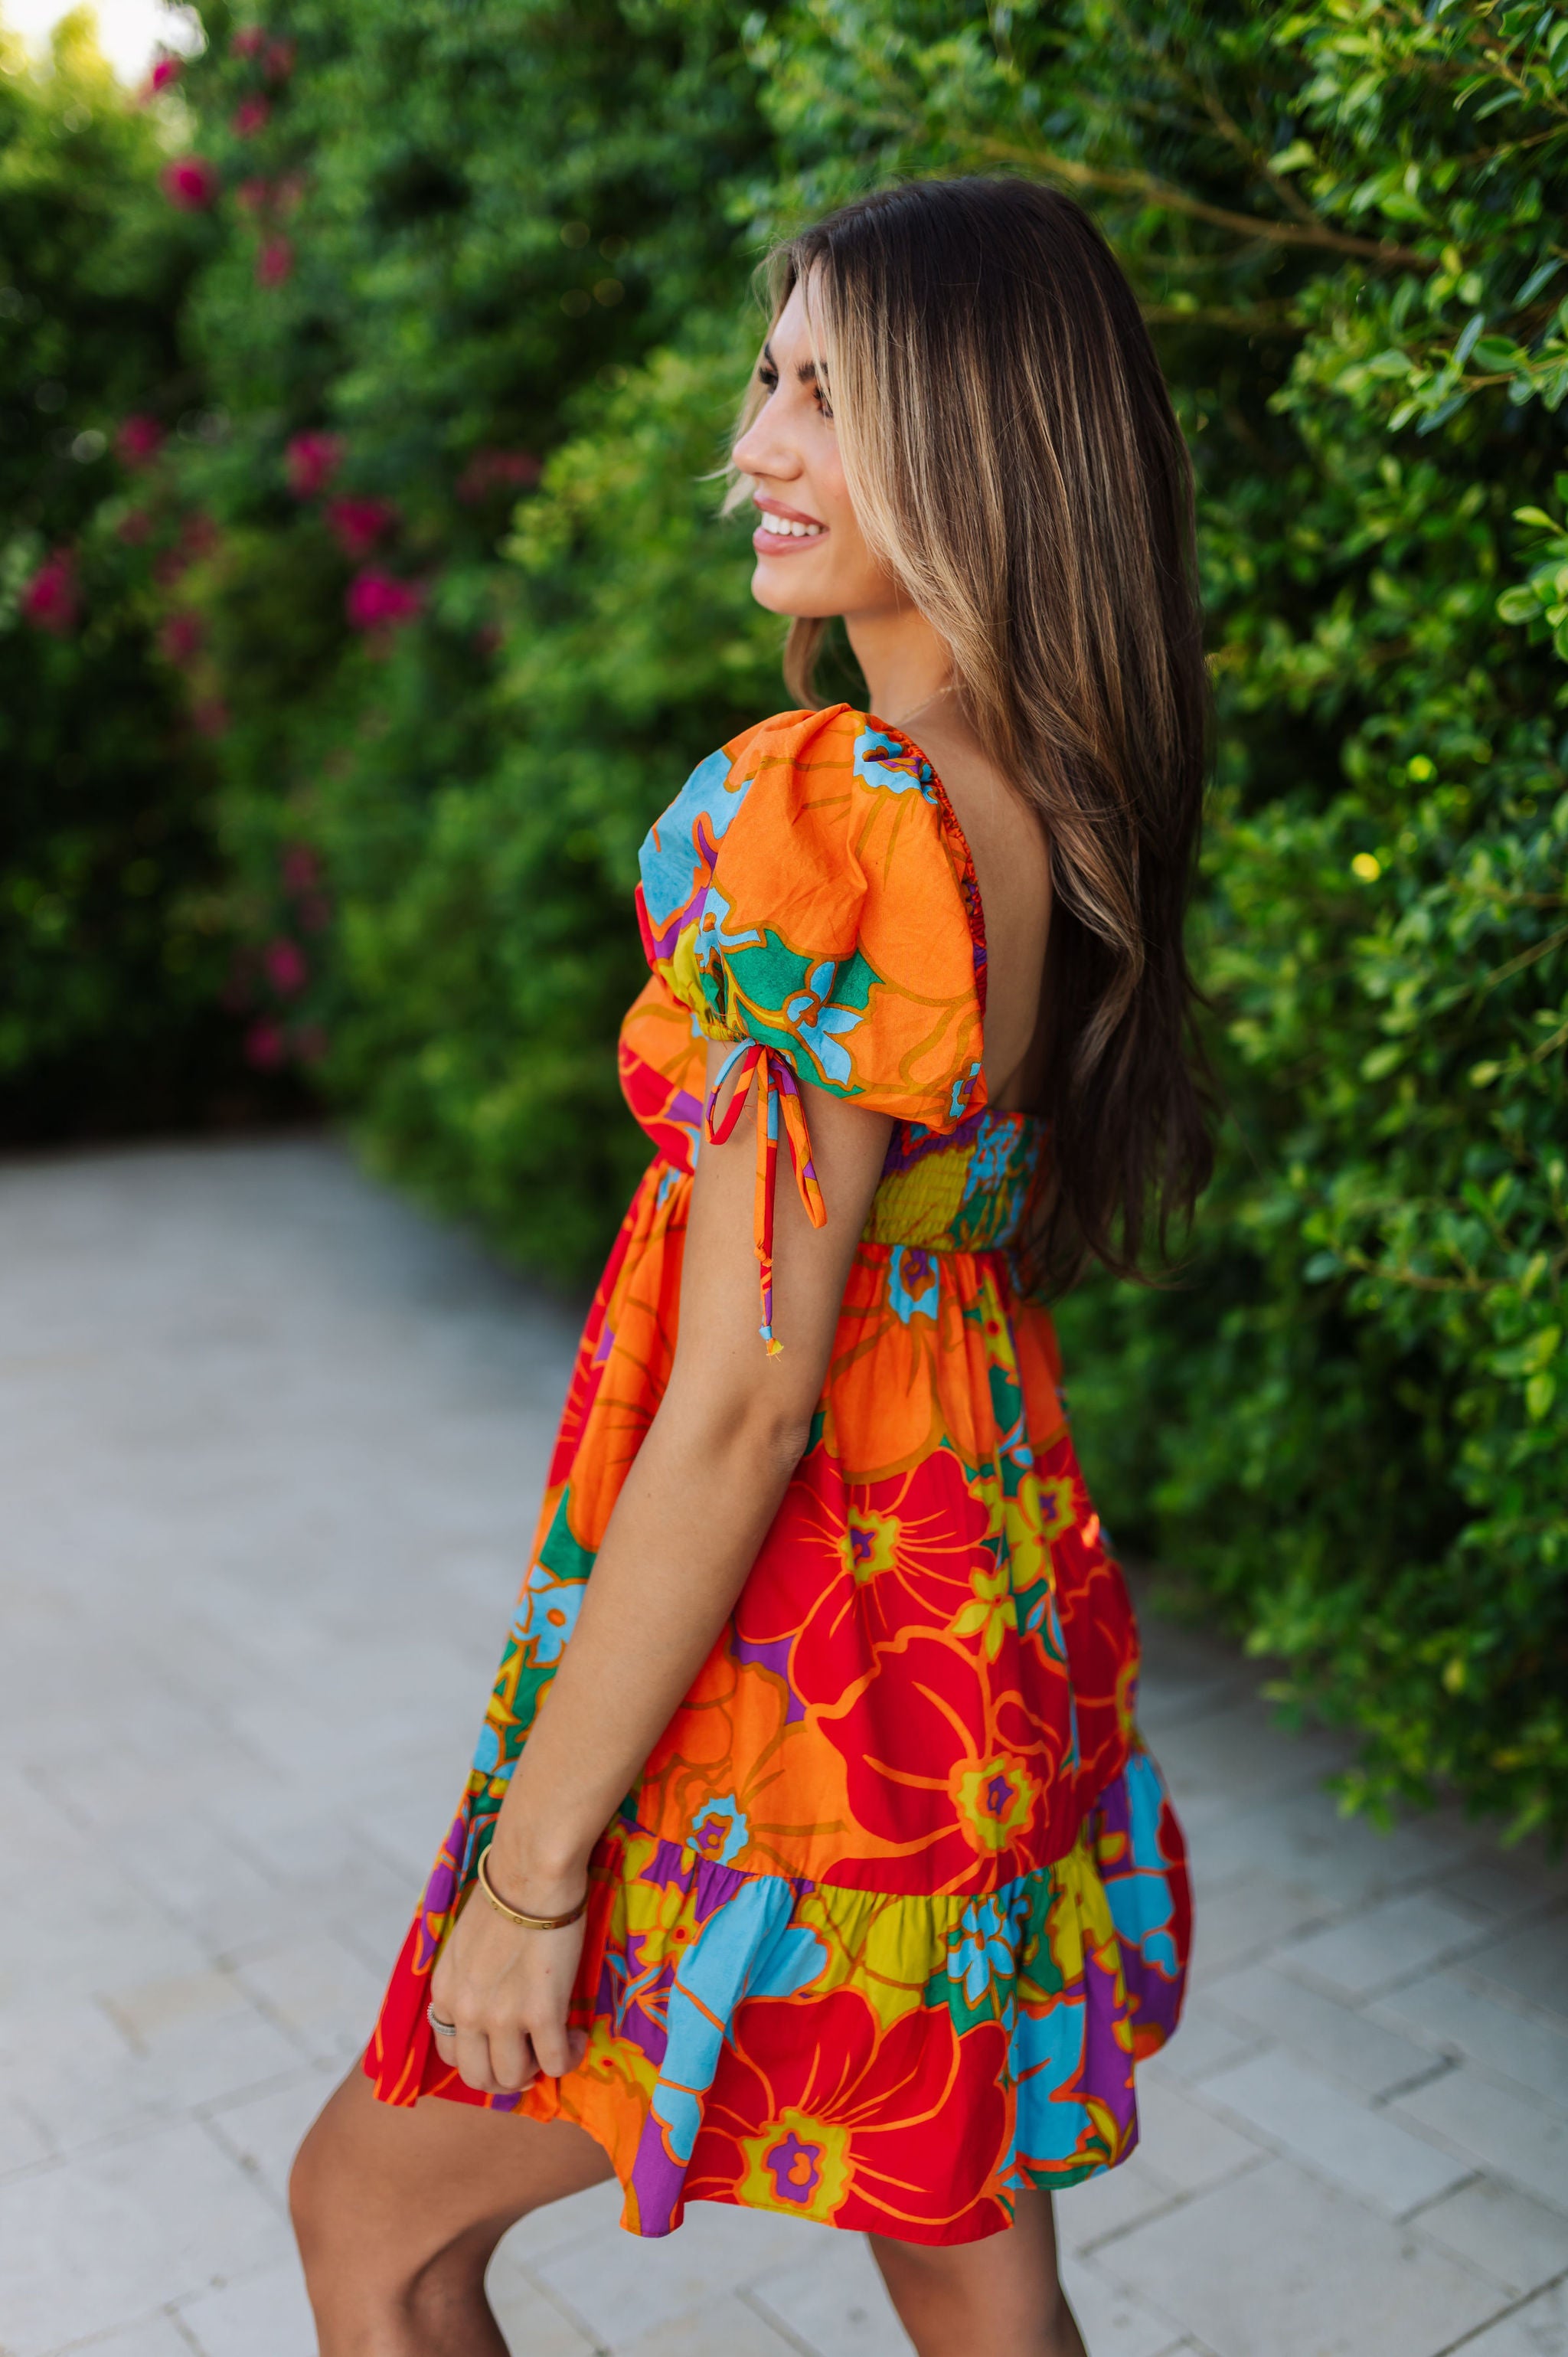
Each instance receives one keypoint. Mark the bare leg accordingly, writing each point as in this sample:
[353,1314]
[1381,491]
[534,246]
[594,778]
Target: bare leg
[397,2212]
[999,2298]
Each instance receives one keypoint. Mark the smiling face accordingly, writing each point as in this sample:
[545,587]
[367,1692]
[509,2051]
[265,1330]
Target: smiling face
[811,556]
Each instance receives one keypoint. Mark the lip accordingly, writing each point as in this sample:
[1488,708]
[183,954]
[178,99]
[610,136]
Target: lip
[771,544]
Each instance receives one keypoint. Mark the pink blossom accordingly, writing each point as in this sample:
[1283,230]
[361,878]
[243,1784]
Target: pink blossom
[357,524]
[290,189]
[489,472]
[379,601]
[249,41]
[191,182]
[310,1043]
[311,460]
[274,262]
[165,72]
[254,195]
[280,61]
[265,1045]
[181,639]
[209,716]
[250,116]
[138,440]
[52,600]
[134,527]
[301,869]
[285,967]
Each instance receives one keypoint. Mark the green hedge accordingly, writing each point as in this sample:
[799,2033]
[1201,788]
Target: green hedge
[113,948]
[521,230]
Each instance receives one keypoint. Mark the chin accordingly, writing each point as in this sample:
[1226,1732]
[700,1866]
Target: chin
[790,597]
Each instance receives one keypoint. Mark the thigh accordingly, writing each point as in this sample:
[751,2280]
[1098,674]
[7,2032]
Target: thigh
[379,2191]
[997,2298]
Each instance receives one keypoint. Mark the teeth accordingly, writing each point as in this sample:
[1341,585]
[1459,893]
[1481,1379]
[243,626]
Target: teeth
[786,528]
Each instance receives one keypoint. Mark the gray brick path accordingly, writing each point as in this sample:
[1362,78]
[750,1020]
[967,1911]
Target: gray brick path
[270,1447]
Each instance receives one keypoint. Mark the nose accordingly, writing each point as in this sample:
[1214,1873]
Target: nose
[766,450]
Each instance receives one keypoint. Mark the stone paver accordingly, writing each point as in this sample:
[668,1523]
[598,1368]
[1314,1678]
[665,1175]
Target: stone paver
[271,1446]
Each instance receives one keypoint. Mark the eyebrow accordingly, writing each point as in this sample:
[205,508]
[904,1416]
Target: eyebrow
[806,372]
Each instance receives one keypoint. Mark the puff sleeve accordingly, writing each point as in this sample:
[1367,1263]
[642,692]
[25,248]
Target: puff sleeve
[809,898]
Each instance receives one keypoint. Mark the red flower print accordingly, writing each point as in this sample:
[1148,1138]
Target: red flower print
[819,2113]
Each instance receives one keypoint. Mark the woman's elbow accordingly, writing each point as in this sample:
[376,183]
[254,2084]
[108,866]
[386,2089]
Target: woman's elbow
[760,1428]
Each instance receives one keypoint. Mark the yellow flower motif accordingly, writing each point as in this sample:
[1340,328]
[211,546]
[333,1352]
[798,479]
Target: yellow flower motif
[872,1541]
[1055,1506]
[994,1800]
[797,2164]
[993,1612]
[887,1947]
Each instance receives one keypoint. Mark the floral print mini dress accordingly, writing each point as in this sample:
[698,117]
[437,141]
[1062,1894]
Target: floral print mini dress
[899,1901]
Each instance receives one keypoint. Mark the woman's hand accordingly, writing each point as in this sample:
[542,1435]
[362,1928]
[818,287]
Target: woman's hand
[507,1991]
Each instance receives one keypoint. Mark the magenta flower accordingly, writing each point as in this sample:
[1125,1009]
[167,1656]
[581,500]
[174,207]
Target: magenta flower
[249,41]
[51,600]
[311,460]
[165,72]
[274,262]
[357,524]
[285,967]
[254,195]
[134,527]
[138,440]
[250,115]
[280,61]
[265,1045]
[379,601]
[301,869]
[191,182]
[489,472]
[181,639]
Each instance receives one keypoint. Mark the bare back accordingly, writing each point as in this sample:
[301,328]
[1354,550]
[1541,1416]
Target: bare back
[1012,864]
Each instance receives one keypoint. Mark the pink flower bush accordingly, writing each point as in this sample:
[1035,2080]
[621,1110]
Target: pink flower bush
[265,1045]
[134,527]
[249,41]
[283,962]
[52,600]
[138,440]
[379,601]
[250,115]
[165,72]
[489,472]
[254,195]
[280,58]
[358,524]
[191,182]
[274,262]
[181,639]
[310,462]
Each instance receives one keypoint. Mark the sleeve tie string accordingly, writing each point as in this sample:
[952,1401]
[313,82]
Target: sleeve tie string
[776,1086]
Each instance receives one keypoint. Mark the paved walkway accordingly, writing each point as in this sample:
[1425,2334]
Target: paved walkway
[271,1446]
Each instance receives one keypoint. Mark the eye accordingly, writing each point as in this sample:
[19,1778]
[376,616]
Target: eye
[768,376]
[824,406]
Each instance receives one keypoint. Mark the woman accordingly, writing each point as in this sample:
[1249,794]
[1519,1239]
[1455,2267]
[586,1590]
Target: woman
[882,1897]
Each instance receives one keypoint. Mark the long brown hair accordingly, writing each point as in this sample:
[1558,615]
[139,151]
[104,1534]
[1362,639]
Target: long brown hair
[1014,460]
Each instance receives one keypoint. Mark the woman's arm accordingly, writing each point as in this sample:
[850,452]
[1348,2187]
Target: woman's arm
[695,1507]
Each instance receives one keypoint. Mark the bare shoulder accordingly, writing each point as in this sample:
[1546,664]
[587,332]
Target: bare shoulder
[1012,867]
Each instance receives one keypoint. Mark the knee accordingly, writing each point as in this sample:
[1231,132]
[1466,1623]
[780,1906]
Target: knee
[321,2197]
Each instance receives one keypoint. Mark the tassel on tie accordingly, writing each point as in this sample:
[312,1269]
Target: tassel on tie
[778,1087]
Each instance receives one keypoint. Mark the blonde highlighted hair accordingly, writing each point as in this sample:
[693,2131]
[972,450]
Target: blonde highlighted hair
[1015,462]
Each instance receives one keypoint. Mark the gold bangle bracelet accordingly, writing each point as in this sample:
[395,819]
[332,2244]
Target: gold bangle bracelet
[515,1915]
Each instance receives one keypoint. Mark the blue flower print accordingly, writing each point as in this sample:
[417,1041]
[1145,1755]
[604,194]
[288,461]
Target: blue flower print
[546,1616]
[883,760]
[820,1033]
[719,1829]
[912,1283]
[979,1950]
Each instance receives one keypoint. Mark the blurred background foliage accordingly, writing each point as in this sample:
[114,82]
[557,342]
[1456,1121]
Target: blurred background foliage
[410,606]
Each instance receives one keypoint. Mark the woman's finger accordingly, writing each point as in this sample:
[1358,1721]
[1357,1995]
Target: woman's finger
[512,2059]
[557,2047]
[474,2062]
